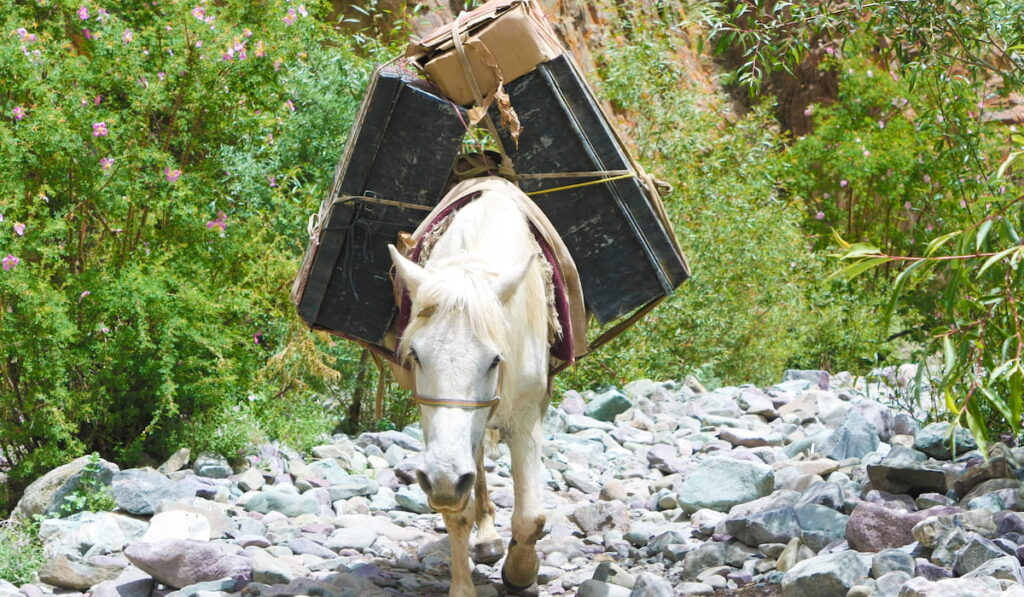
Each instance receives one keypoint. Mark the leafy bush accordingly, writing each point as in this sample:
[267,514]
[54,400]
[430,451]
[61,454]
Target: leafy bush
[933,191]
[759,300]
[91,495]
[21,551]
[160,161]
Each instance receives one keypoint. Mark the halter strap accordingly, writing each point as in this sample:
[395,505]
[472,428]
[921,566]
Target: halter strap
[467,404]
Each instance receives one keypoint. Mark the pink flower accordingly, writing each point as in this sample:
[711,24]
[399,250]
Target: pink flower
[808,111]
[172,175]
[83,13]
[9,262]
[926,178]
[84,294]
[1,217]
[289,19]
[106,163]
[199,12]
[272,180]
[97,100]
[26,36]
[261,50]
[18,112]
[220,223]
[819,216]
[302,10]
[19,228]
[247,32]
[88,34]
[288,104]
[127,36]
[830,50]
[257,338]
[277,64]
[843,183]
[867,153]
[99,129]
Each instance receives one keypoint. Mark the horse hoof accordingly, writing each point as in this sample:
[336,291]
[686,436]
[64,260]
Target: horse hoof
[488,552]
[512,586]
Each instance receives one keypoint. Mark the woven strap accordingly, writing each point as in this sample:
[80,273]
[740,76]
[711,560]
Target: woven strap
[467,404]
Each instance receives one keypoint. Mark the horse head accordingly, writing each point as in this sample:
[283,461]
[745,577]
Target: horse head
[456,342]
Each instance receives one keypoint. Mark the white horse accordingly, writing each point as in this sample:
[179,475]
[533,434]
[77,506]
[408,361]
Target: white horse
[479,329]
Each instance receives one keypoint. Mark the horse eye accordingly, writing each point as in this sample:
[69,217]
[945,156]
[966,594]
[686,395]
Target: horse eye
[494,363]
[413,355]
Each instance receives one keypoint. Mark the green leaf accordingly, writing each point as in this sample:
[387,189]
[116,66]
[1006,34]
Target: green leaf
[998,403]
[994,259]
[897,288]
[860,250]
[937,242]
[1016,390]
[982,234]
[1006,163]
[976,423]
[853,270]
[949,355]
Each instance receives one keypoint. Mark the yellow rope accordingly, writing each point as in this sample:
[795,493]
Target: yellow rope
[583,184]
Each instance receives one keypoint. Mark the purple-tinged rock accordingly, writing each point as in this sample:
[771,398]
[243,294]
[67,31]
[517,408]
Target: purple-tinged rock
[179,563]
[873,527]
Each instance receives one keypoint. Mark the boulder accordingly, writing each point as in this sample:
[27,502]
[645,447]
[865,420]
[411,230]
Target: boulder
[830,575]
[179,563]
[934,440]
[952,587]
[75,573]
[286,501]
[873,527]
[46,494]
[778,525]
[140,491]
[720,483]
[855,438]
[606,405]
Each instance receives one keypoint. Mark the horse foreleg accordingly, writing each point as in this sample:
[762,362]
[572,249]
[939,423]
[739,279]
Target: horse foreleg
[488,548]
[459,526]
[521,565]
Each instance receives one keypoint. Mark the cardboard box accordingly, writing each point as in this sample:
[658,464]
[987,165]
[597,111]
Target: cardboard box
[506,39]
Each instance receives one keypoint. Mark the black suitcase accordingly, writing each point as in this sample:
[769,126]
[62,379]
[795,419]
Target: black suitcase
[401,149]
[624,251]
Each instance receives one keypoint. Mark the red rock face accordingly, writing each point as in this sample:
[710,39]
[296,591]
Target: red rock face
[873,527]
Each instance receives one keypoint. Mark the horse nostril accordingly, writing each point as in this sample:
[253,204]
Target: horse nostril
[464,484]
[424,482]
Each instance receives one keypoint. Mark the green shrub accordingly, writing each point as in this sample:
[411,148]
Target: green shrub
[163,159]
[758,300]
[21,551]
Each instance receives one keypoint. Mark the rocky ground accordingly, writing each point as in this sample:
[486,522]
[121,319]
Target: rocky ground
[803,489]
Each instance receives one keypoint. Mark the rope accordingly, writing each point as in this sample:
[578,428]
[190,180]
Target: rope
[478,97]
[582,184]
[380,201]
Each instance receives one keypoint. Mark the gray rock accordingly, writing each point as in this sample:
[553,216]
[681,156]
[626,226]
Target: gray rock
[273,570]
[226,585]
[213,466]
[597,588]
[180,563]
[952,587]
[572,403]
[817,377]
[352,538]
[976,552]
[140,491]
[778,525]
[651,585]
[890,560]
[386,439]
[829,575]
[285,501]
[855,438]
[352,486]
[1003,567]
[412,498]
[666,459]
[905,424]
[660,541]
[131,582]
[830,495]
[582,481]
[593,518]
[175,462]
[87,534]
[906,478]
[709,555]
[74,573]
[934,440]
[820,525]
[889,584]
[251,480]
[302,545]
[46,494]
[720,483]
[606,405]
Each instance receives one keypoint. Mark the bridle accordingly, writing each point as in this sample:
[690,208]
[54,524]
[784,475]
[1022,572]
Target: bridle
[463,404]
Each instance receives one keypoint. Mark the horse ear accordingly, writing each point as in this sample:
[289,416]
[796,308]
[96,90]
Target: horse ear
[411,274]
[506,284]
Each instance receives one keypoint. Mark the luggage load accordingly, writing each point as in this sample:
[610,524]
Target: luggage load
[505,64]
